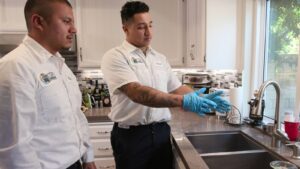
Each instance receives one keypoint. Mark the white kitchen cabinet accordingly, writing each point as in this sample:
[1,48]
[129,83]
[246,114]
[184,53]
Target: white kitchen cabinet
[12,17]
[100,139]
[221,34]
[100,29]
[195,50]
[102,147]
[213,28]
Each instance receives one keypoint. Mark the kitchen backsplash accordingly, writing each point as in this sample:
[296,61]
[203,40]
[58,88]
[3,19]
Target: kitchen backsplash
[219,78]
[95,93]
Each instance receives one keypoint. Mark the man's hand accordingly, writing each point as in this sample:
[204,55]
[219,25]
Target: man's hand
[195,103]
[90,165]
[222,105]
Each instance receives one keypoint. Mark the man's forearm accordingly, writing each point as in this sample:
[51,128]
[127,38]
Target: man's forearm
[182,90]
[151,97]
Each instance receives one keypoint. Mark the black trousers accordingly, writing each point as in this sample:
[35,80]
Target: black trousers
[76,165]
[142,147]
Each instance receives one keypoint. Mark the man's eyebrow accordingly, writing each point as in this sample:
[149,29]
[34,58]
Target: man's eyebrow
[144,23]
[68,19]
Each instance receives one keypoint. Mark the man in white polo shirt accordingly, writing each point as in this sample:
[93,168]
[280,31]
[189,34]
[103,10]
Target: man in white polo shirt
[142,88]
[41,124]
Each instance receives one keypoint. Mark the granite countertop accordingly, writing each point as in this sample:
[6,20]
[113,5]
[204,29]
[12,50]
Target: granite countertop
[97,115]
[186,122]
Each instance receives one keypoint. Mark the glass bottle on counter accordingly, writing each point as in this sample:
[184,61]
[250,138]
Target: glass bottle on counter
[97,94]
[106,97]
[86,98]
[89,91]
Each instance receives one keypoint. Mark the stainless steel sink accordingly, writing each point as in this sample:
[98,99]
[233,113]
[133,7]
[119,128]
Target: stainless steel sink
[221,142]
[250,160]
[231,150]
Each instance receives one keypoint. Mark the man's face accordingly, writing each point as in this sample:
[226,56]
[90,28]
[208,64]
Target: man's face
[59,28]
[139,30]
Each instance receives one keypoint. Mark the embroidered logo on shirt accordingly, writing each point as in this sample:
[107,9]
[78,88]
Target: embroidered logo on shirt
[47,78]
[137,60]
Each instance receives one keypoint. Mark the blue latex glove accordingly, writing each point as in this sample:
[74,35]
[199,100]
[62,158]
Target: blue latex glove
[222,105]
[195,103]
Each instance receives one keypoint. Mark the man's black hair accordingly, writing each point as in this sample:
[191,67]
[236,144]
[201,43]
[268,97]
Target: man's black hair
[131,8]
[41,7]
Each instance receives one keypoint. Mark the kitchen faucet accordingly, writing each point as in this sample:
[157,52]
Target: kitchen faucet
[277,134]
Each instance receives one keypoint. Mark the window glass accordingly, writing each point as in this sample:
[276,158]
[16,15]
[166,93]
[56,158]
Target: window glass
[282,53]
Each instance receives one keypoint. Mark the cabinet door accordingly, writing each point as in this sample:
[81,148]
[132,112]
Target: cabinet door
[12,17]
[195,54]
[221,34]
[168,27]
[100,29]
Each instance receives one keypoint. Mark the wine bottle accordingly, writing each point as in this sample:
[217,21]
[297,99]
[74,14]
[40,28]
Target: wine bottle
[97,94]
[106,97]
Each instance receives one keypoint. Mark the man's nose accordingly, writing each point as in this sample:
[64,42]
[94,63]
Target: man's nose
[148,30]
[73,29]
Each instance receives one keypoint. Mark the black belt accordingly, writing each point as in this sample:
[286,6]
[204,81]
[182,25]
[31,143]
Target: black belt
[151,125]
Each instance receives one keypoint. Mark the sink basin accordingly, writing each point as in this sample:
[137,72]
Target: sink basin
[257,160]
[231,150]
[221,142]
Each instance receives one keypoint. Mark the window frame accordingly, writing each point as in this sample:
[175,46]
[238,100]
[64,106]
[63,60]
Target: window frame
[260,72]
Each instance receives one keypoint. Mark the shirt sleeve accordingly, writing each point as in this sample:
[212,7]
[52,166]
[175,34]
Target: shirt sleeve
[173,81]
[89,155]
[18,112]
[116,70]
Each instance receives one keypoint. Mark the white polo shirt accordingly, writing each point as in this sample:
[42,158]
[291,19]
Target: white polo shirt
[127,63]
[41,124]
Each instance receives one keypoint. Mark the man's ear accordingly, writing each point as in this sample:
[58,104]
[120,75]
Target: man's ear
[125,29]
[37,22]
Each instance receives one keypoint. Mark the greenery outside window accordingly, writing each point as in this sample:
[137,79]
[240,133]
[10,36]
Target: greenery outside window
[282,53]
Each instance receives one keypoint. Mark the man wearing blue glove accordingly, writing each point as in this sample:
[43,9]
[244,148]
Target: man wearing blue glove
[143,87]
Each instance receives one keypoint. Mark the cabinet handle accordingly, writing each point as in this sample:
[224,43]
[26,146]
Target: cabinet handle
[80,53]
[103,149]
[192,51]
[102,132]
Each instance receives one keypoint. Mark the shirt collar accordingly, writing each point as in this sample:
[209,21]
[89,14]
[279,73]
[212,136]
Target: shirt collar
[131,48]
[40,52]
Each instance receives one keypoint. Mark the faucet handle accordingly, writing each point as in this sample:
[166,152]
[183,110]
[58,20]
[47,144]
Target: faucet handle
[296,149]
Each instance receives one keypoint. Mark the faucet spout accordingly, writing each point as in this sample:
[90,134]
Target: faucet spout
[277,133]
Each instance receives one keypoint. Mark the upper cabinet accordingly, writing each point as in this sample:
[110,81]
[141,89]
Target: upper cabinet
[222,32]
[213,29]
[12,16]
[195,31]
[190,33]
[100,29]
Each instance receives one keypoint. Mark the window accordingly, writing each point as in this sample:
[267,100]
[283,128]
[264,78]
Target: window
[282,53]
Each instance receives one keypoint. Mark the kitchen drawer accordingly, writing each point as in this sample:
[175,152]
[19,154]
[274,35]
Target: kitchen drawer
[102,147]
[105,163]
[100,131]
